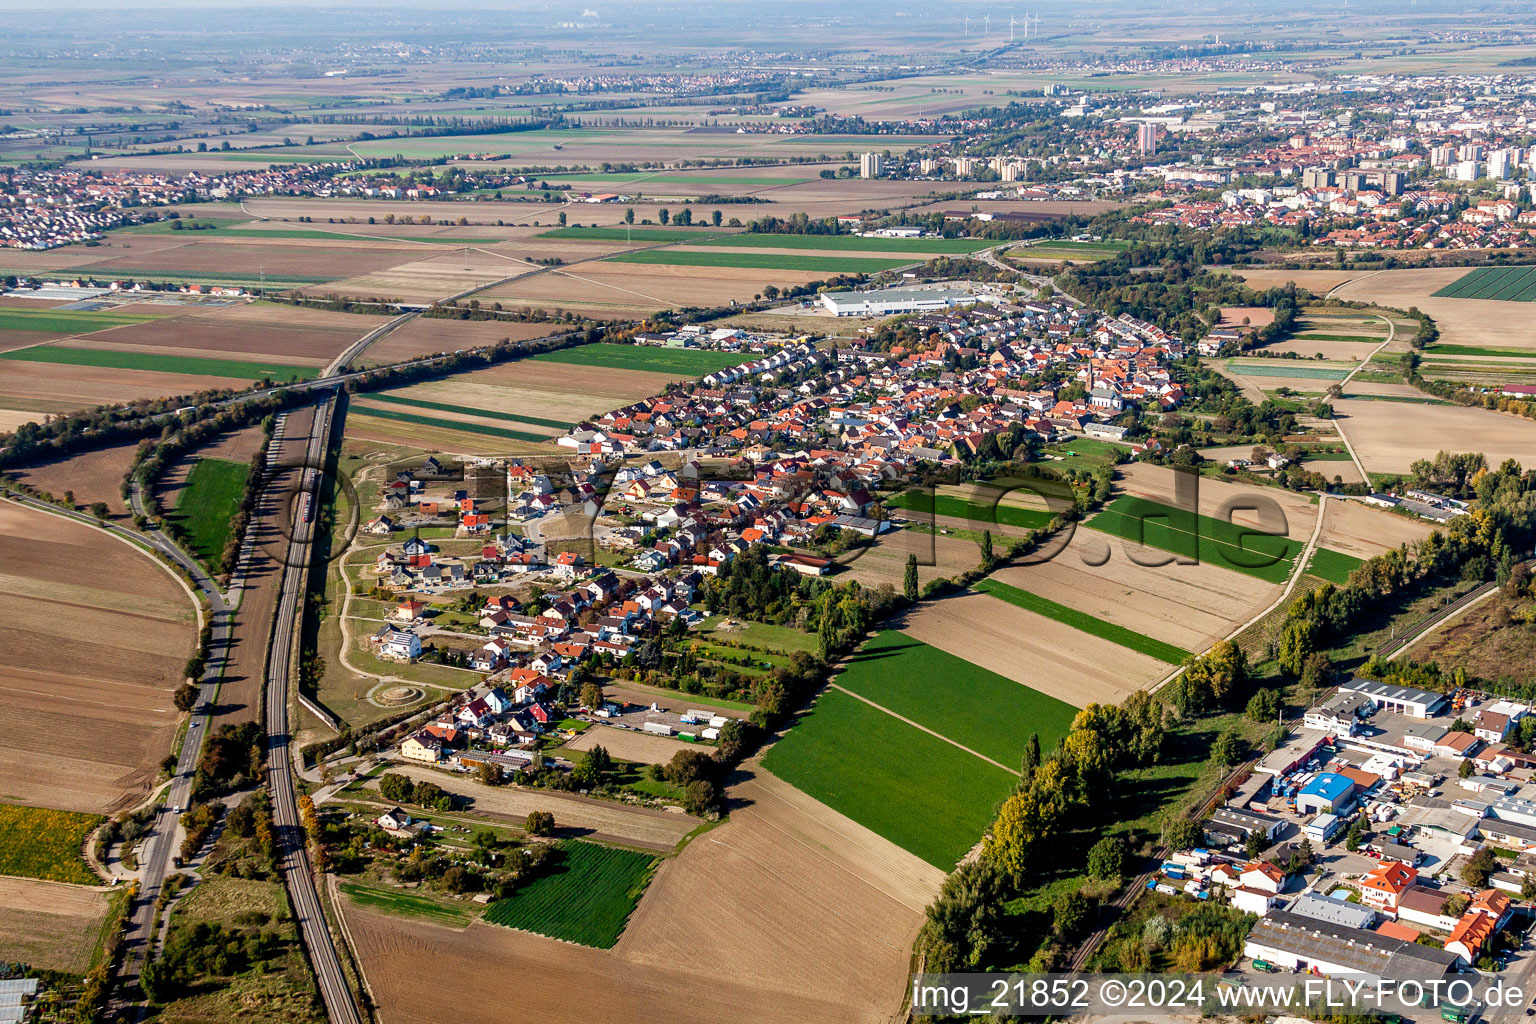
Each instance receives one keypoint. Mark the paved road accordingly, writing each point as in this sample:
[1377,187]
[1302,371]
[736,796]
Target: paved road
[293,854]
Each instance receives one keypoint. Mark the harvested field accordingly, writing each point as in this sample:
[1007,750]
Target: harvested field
[1318,282]
[99,634]
[1045,655]
[1385,390]
[424,337]
[1355,528]
[1190,606]
[885,560]
[93,476]
[1389,436]
[625,290]
[1249,317]
[1483,323]
[428,277]
[55,387]
[1156,483]
[217,334]
[1337,351]
[297,260]
[810,920]
[629,745]
[683,362]
[574,815]
[50,925]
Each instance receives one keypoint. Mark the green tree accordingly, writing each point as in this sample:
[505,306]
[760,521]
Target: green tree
[562,218]
[540,823]
[987,557]
[1479,867]
[1106,859]
[1070,912]
[1263,706]
[1182,833]
[909,581]
[629,216]
[1466,769]
[185,697]
[1227,750]
[1031,761]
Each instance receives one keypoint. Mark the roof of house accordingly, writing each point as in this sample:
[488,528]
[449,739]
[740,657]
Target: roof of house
[1391,877]
[1472,931]
[1393,930]
[1339,912]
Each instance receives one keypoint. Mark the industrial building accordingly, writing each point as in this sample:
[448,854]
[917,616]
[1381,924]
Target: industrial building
[1405,700]
[1292,941]
[892,301]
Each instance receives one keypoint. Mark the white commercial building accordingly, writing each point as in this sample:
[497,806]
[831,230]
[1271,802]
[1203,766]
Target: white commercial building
[891,301]
[871,165]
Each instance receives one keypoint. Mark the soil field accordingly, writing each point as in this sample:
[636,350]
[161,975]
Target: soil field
[885,560]
[623,290]
[1249,317]
[1190,606]
[575,816]
[238,446]
[59,387]
[1156,483]
[279,260]
[215,335]
[50,925]
[1336,351]
[1355,528]
[1318,282]
[1389,436]
[424,337]
[93,476]
[99,634]
[809,919]
[630,745]
[1048,656]
[429,277]
[1483,323]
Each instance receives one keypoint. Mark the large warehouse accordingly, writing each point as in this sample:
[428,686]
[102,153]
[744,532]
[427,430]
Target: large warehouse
[1291,941]
[892,301]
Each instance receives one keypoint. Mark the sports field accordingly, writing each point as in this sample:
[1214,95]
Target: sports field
[197,365]
[644,357]
[1507,284]
[959,508]
[925,795]
[207,503]
[761,261]
[1087,623]
[852,243]
[1243,549]
[585,897]
[1333,566]
[36,842]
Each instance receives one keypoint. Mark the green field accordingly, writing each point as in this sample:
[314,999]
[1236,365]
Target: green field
[646,178]
[1333,566]
[154,362]
[365,408]
[975,511]
[178,276]
[975,707]
[1477,350]
[1326,457]
[1069,250]
[1087,623]
[1184,533]
[66,321]
[1284,368]
[208,503]
[464,410]
[1508,284]
[408,904]
[853,243]
[928,797]
[36,842]
[692,362]
[1341,337]
[631,234]
[586,897]
[762,261]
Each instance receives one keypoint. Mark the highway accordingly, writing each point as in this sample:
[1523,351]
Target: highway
[293,854]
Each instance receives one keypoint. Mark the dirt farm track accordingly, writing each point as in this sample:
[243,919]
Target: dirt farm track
[98,637]
[788,913]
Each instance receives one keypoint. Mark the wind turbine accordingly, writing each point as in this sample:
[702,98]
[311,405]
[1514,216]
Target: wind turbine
[1010,28]
[967,26]
[986,30]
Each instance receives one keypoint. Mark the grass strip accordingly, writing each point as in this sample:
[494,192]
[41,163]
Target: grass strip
[156,363]
[422,403]
[366,409]
[1090,624]
[693,362]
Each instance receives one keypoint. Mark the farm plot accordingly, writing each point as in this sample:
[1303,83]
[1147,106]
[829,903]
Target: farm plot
[623,290]
[631,745]
[585,895]
[206,505]
[1389,436]
[764,260]
[976,513]
[428,336]
[229,334]
[65,321]
[941,691]
[919,791]
[885,560]
[98,637]
[1187,535]
[1086,623]
[36,842]
[1333,566]
[1333,348]
[1483,323]
[603,820]
[414,277]
[1505,284]
[219,258]
[682,362]
[154,362]
[1041,653]
[625,234]
[810,920]
[517,406]
[92,476]
[854,243]
[1355,528]
[48,925]
[1292,368]
[1189,606]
